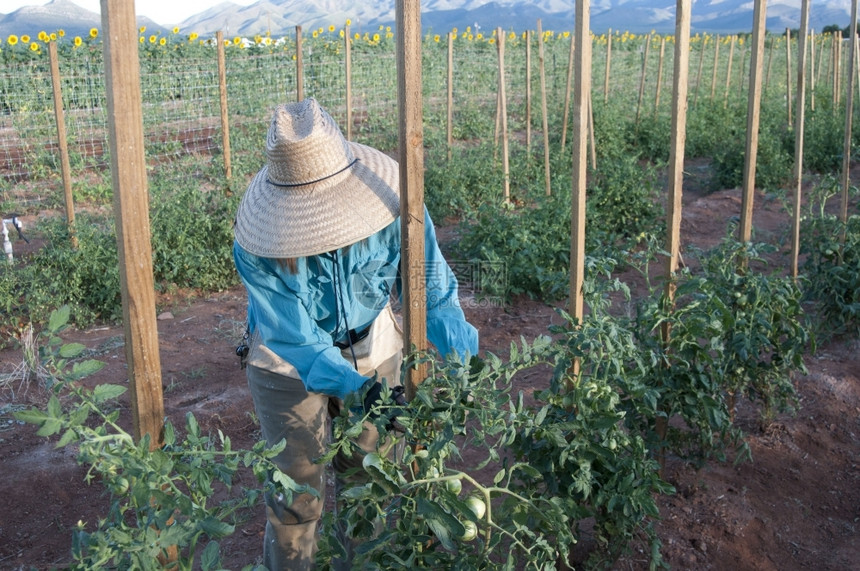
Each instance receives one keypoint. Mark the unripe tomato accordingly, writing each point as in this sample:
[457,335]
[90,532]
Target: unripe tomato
[471,531]
[477,505]
[454,486]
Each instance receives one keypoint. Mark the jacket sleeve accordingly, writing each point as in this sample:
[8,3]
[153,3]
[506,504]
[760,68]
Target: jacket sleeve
[447,328]
[284,326]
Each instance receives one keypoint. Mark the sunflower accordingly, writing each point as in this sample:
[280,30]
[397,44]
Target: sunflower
[25,39]
[331,28]
[162,42]
[34,47]
[61,33]
[141,30]
[152,39]
[78,41]
[348,22]
[94,33]
[192,36]
[53,37]
[176,30]
[43,36]
[13,39]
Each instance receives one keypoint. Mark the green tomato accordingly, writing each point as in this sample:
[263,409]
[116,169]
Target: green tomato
[454,486]
[477,505]
[471,531]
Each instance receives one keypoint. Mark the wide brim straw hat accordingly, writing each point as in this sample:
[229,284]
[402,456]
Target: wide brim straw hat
[318,192]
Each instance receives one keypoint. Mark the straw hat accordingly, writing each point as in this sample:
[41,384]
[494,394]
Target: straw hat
[318,192]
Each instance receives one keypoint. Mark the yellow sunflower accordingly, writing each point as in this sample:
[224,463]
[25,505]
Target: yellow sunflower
[13,39]
[78,41]
[94,33]
[162,42]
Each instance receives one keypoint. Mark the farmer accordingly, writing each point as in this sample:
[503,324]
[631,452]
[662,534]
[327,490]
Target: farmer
[317,245]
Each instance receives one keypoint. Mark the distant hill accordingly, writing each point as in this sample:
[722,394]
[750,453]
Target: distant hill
[280,17]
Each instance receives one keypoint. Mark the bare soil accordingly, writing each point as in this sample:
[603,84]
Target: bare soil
[795,506]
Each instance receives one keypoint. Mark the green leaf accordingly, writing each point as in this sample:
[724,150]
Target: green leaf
[107,392]
[213,527]
[50,427]
[441,522]
[85,368]
[71,350]
[210,558]
[59,318]
[31,416]
[191,425]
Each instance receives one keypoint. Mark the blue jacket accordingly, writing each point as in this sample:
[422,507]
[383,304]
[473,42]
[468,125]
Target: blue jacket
[300,316]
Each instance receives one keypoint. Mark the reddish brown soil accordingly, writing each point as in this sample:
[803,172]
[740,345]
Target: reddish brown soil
[795,506]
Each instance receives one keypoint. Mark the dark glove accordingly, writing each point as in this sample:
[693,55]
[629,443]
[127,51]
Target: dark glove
[373,401]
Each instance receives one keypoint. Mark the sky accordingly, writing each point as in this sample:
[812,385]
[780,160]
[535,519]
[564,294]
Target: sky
[164,12]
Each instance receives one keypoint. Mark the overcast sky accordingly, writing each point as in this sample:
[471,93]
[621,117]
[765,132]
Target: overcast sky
[164,12]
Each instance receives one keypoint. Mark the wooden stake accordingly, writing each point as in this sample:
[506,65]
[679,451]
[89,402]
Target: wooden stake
[300,67]
[811,69]
[581,98]
[450,94]
[225,117]
[347,52]
[716,65]
[131,212]
[699,73]
[411,154]
[503,113]
[849,114]
[788,75]
[642,76]
[659,74]
[608,65]
[566,116]
[729,71]
[753,114]
[544,109]
[528,94]
[63,143]
[798,135]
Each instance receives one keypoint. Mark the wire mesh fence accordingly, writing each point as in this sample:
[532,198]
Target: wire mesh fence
[181,104]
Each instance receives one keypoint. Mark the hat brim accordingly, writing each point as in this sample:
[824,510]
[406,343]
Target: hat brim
[278,222]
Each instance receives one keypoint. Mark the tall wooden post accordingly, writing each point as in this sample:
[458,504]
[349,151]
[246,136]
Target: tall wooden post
[642,75]
[131,211]
[753,113]
[566,111]
[608,64]
[503,115]
[300,66]
[450,87]
[528,93]
[798,135]
[347,53]
[811,43]
[659,75]
[729,71]
[716,65]
[62,143]
[699,73]
[225,117]
[788,75]
[849,114]
[581,99]
[411,155]
[545,119]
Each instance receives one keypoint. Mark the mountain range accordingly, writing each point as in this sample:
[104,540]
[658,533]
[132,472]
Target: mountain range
[279,17]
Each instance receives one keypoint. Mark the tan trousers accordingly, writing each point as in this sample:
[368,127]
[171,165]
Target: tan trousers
[287,411]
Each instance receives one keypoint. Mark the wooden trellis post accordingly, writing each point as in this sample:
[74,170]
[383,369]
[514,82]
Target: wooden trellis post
[788,75]
[676,172]
[581,100]
[450,87]
[528,94]
[608,65]
[849,114]
[62,143]
[544,117]
[347,54]
[131,211]
[753,113]
[659,74]
[811,43]
[300,67]
[798,135]
[503,114]
[411,158]
[699,72]
[642,76]
[716,65]
[222,94]
[729,71]
[565,114]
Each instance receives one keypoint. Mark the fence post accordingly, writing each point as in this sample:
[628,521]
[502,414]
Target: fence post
[503,111]
[753,113]
[642,75]
[659,74]
[798,135]
[450,87]
[347,51]
[131,212]
[225,117]
[676,175]
[411,154]
[729,71]
[528,94]
[581,99]
[716,64]
[544,117]
[699,73]
[608,63]
[62,143]
[812,69]
[300,67]
[849,114]
[788,75]
[566,116]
